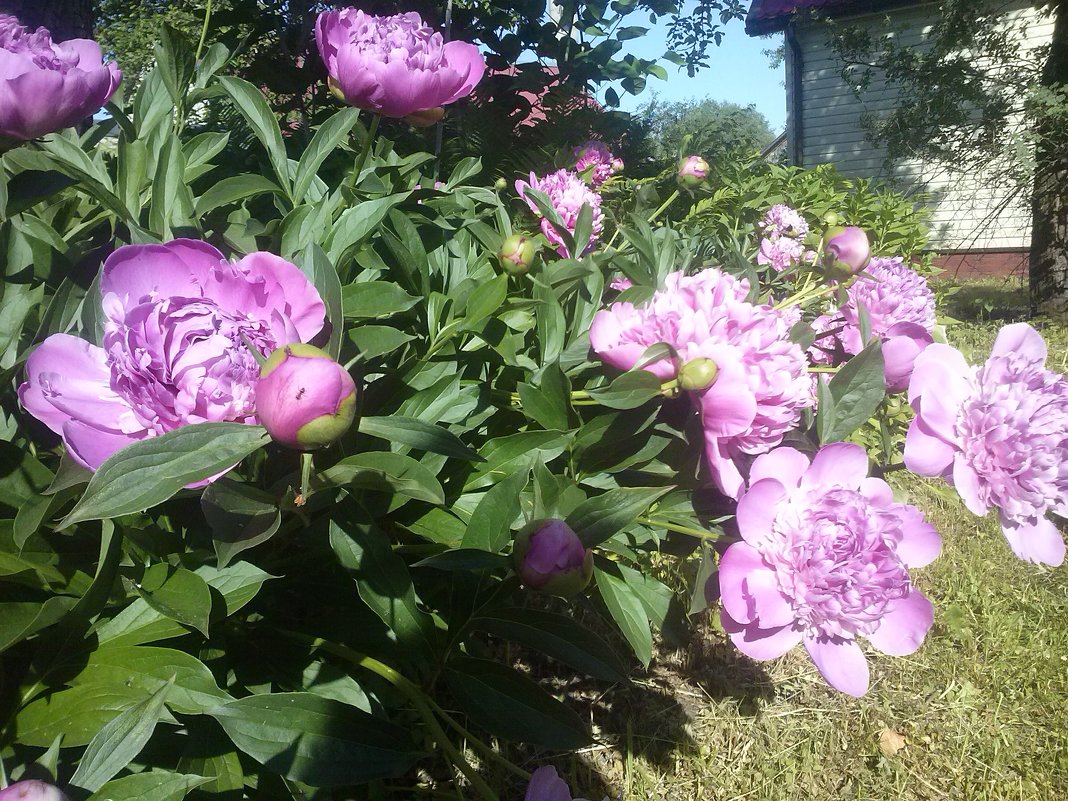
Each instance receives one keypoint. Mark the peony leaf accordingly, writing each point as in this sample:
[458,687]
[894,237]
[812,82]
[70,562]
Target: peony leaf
[149,472]
[253,107]
[604,516]
[418,434]
[316,740]
[626,609]
[855,391]
[326,141]
[628,391]
[230,190]
[159,785]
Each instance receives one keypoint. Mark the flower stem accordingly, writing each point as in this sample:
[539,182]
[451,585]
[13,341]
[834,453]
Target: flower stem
[669,526]
[664,205]
[305,475]
[203,31]
[362,160]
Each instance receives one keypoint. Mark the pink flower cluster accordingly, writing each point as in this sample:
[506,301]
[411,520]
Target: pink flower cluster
[761,384]
[824,559]
[900,308]
[568,193]
[999,434]
[596,155]
[784,232]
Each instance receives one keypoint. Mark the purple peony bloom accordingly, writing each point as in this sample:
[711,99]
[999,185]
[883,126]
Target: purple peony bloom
[550,557]
[304,398]
[178,317]
[824,559]
[595,156]
[31,790]
[49,85]
[567,193]
[546,785]
[395,66]
[781,253]
[901,310]
[784,233]
[761,382]
[999,434]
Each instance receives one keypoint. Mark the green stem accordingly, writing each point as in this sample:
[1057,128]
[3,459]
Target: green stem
[305,474]
[507,764]
[669,526]
[203,32]
[823,369]
[371,131]
[664,205]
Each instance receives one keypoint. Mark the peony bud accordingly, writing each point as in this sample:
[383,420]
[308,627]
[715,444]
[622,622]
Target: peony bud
[31,790]
[517,254]
[304,398]
[698,374]
[846,251]
[692,171]
[617,165]
[500,184]
[831,219]
[550,557]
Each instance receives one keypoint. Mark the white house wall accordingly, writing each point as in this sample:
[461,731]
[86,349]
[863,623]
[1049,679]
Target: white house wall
[970,211]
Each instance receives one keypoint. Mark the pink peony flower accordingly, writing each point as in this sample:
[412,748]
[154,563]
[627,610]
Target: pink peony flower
[395,66]
[620,283]
[31,790]
[549,556]
[49,85]
[546,785]
[596,154]
[847,250]
[304,398]
[178,317]
[781,253]
[999,434]
[761,383]
[823,560]
[782,220]
[784,233]
[900,308]
[567,193]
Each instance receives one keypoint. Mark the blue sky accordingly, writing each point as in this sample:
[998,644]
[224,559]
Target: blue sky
[738,72]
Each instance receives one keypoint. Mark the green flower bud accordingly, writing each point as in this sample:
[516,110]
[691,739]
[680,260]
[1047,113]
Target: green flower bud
[517,254]
[698,374]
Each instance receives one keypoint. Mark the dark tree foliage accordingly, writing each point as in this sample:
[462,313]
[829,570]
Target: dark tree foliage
[65,19]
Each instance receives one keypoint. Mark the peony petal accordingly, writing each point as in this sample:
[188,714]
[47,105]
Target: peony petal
[926,454]
[877,491]
[1037,541]
[920,543]
[841,663]
[966,481]
[840,464]
[1020,339]
[903,344]
[90,447]
[466,60]
[902,629]
[176,269]
[758,643]
[546,785]
[757,510]
[738,562]
[785,465]
[941,370]
[727,407]
[725,474]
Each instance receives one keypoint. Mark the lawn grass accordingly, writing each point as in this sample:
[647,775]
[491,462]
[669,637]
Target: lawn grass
[979,712]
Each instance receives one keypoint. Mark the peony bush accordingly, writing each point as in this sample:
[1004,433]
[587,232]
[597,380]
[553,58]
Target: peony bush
[295,454]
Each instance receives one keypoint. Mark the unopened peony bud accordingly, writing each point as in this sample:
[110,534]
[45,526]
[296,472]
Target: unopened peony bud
[846,251]
[698,374]
[500,184]
[617,165]
[550,557]
[517,254]
[304,398]
[31,790]
[831,219]
[692,171]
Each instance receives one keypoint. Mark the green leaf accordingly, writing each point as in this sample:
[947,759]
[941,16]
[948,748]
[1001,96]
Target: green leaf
[392,473]
[21,620]
[253,107]
[325,142]
[626,609]
[510,705]
[465,559]
[382,579]
[505,455]
[418,434]
[172,202]
[233,189]
[177,593]
[551,323]
[138,623]
[856,392]
[159,785]
[324,278]
[490,527]
[359,222]
[558,636]
[628,391]
[604,516]
[150,471]
[485,301]
[120,741]
[370,300]
[377,340]
[316,740]
[583,229]
[240,517]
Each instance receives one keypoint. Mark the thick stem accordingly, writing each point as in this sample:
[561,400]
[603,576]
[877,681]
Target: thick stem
[203,31]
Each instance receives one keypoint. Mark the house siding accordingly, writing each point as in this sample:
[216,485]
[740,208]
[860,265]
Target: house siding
[971,212]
